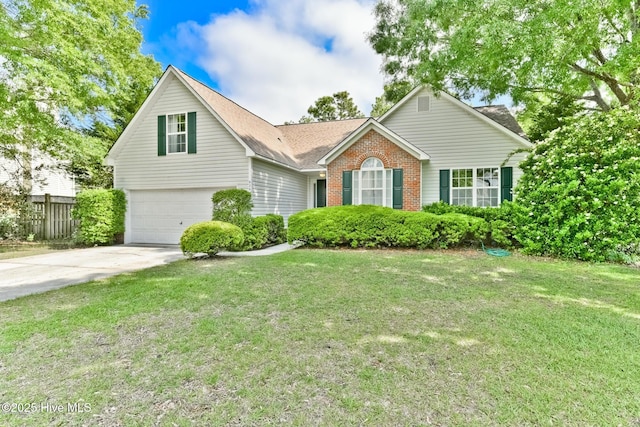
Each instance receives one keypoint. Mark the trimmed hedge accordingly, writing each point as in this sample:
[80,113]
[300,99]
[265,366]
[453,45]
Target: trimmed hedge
[234,206]
[274,225]
[500,220]
[375,226]
[260,231]
[210,237]
[101,214]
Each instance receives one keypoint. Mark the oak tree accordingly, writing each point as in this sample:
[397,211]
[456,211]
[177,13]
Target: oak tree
[533,51]
[339,106]
[67,66]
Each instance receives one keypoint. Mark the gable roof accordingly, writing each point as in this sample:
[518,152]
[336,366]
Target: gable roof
[372,124]
[501,115]
[303,146]
[262,137]
[497,116]
[311,141]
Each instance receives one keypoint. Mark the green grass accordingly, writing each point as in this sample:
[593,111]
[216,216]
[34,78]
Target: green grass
[18,249]
[315,337]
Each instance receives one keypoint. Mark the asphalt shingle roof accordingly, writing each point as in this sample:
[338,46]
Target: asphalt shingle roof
[300,146]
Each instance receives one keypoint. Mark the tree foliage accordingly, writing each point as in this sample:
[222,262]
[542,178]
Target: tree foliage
[579,196]
[585,51]
[65,67]
[339,106]
[393,92]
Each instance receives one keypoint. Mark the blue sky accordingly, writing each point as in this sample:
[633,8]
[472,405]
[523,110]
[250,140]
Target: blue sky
[273,57]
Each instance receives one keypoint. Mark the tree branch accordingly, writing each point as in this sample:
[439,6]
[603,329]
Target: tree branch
[616,29]
[607,79]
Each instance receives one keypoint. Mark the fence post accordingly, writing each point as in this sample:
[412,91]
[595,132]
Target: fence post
[47,217]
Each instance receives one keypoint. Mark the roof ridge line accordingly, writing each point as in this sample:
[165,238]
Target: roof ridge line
[225,97]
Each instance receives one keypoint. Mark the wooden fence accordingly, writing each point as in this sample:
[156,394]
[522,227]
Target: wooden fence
[50,218]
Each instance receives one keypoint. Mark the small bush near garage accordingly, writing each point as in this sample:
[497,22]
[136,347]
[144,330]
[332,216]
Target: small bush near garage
[101,214]
[210,237]
[234,206]
[375,226]
[274,224]
[231,204]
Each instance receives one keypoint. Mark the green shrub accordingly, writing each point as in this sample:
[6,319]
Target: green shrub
[101,214]
[9,225]
[579,196]
[375,226]
[274,225]
[254,230]
[500,219]
[232,203]
[210,237]
[235,206]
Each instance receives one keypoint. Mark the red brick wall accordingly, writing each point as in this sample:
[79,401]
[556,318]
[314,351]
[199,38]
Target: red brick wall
[372,144]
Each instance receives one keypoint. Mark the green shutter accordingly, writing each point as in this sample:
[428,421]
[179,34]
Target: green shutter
[397,189]
[444,185]
[506,183]
[162,135]
[347,184]
[191,133]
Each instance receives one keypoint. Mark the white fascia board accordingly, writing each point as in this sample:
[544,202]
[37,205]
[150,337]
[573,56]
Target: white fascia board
[372,124]
[275,162]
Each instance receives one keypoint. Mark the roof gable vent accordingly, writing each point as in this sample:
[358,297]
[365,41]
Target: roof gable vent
[424,103]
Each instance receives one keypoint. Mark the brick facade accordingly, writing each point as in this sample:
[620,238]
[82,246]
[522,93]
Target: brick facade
[372,144]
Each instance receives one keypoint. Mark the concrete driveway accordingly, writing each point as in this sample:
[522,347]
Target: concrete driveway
[41,273]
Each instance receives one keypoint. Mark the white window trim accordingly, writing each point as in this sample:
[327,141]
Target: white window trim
[357,189]
[186,133]
[475,187]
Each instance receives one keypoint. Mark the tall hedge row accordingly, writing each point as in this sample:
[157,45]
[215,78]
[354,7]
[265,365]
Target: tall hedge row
[101,215]
[579,196]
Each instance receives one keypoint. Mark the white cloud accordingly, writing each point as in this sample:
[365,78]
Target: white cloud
[272,59]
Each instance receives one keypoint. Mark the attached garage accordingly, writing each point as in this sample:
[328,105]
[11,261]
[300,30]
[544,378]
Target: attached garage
[160,216]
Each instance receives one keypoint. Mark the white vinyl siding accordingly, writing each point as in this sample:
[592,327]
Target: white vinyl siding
[453,137]
[277,190]
[220,162]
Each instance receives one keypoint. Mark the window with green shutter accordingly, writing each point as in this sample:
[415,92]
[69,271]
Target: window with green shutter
[177,133]
[162,135]
[483,187]
[506,183]
[191,135]
[444,185]
[397,188]
[347,185]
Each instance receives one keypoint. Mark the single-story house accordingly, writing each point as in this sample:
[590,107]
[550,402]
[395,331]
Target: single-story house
[187,141]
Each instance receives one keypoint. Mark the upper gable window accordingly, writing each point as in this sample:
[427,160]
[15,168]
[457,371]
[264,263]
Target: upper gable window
[177,133]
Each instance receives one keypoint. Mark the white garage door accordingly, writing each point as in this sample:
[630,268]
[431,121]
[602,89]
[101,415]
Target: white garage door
[160,216]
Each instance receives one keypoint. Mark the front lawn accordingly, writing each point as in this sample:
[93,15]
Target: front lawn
[19,250]
[318,337]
